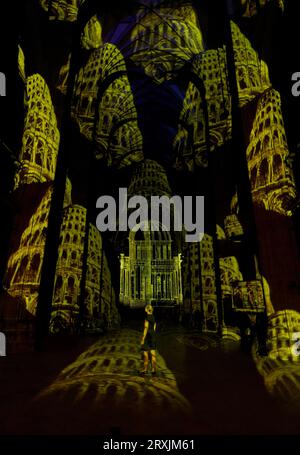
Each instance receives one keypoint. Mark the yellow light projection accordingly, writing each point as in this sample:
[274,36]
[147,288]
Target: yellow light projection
[251,72]
[24,265]
[199,282]
[99,294]
[117,135]
[281,368]
[230,274]
[92,34]
[248,296]
[250,6]
[24,268]
[63,76]
[41,137]
[267,295]
[251,296]
[69,270]
[164,39]
[62,10]
[199,286]
[21,64]
[233,228]
[270,169]
[210,68]
[220,233]
[151,273]
[148,179]
[107,373]
[38,158]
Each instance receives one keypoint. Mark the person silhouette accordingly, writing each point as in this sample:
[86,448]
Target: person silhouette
[148,341]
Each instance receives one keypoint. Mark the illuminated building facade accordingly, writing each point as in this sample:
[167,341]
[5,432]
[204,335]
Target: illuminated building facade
[151,273]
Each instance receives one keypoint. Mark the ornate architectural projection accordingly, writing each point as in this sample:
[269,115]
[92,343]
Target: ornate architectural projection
[103,107]
[69,272]
[199,286]
[24,265]
[233,228]
[149,179]
[244,296]
[248,297]
[270,169]
[38,161]
[251,72]
[250,6]
[109,370]
[199,282]
[62,10]
[210,68]
[151,273]
[41,136]
[164,39]
[63,76]
[156,91]
[281,368]
[230,274]
[21,64]
[92,34]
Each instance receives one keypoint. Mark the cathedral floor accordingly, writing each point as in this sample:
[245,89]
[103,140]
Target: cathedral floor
[91,385]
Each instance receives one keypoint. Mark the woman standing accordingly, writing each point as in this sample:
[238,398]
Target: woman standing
[148,341]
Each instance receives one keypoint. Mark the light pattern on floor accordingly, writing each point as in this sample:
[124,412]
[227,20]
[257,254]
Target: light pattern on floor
[281,367]
[108,373]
